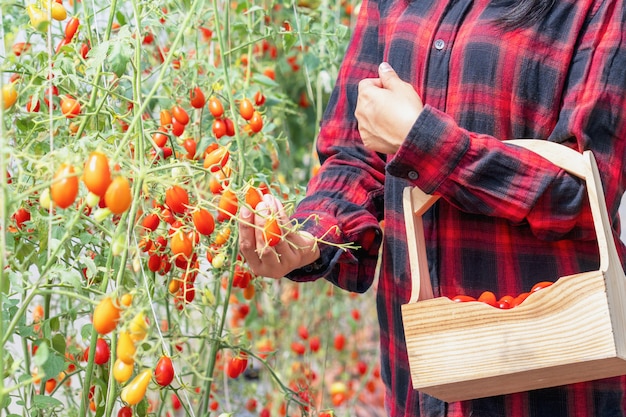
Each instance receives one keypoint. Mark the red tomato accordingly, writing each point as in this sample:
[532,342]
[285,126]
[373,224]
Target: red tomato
[520,299]
[488,297]
[339,342]
[246,109]
[160,137]
[196,96]
[272,232]
[190,146]
[151,222]
[505,302]
[177,199]
[71,28]
[96,173]
[21,216]
[64,188]
[463,298]
[32,105]
[203,221]
[259,98]
[541,285]
[256,122]
[177,128]
[164,371]
[230,127]
[237,365]
[298,348]
[118,196]
[215,107]
[70,107]
[219,128]
[103,352]
[125,412]
[180,115]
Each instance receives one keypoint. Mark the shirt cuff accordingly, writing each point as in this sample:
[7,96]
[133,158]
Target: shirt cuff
[431,151]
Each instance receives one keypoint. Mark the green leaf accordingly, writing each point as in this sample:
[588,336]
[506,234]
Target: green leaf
[54,364]
[118,58]
[41,356]
[85,331]
[44,401]
[58,343]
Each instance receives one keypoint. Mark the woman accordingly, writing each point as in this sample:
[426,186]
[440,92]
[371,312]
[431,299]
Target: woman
[462,76]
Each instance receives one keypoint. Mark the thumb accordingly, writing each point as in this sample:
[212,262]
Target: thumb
[387,75]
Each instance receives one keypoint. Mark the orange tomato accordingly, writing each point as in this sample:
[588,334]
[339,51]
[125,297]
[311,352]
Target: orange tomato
[246,109]
[96,173]
[70,107]
[118,196]
[106,315]
[272,232]
[64,188]
[181,244]
[203,221]
[180,115]
[215,107]
[253,197]
[227,206]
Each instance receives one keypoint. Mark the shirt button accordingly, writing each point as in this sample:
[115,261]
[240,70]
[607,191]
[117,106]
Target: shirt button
[413,175]
[439,44]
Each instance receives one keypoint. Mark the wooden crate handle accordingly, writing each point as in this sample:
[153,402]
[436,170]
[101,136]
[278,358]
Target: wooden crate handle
[584,166]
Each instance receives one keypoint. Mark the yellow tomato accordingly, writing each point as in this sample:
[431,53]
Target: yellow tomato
[122,371]
[138,327]
[126,348]
[9,95]
[134,392]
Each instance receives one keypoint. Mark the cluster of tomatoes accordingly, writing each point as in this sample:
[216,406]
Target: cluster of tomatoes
[107,317]
[506,301]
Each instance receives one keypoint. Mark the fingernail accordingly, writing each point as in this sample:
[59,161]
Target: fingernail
[385,67]
[245,212]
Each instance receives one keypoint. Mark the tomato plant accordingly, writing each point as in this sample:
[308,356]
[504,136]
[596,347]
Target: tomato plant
[130,135]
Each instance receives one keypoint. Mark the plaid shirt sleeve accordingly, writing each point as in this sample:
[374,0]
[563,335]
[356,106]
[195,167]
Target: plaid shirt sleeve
[344,200]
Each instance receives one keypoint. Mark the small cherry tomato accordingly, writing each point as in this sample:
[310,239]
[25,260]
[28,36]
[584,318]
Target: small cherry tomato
[136,389]
[177,199]
[505,302]
[71,28]
[125,412]
[541,285]
[272,232]
[180,114]
[96,173]
[227,205]
[64,188]
[9,95]
[126,348]
[105,316]
[122,371]
[237,365]
[218,128]
[488,297]
[203,221]
[103,352]
[246,109]
[118,196]
[70,107]
[215,107]
[196,97]
[164,371]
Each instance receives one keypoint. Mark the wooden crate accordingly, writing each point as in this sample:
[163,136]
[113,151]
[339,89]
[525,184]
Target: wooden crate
[572,331]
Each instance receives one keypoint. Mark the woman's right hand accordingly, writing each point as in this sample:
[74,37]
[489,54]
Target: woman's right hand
[295,249]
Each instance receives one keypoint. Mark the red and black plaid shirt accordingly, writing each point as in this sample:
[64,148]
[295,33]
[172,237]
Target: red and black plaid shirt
[507,218]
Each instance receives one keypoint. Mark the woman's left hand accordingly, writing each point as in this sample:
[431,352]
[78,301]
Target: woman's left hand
[386,109]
